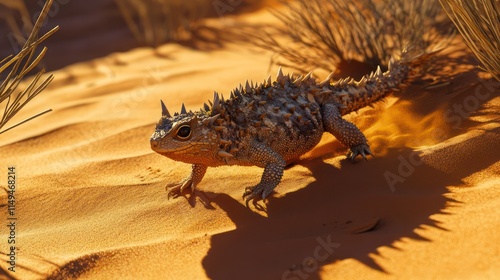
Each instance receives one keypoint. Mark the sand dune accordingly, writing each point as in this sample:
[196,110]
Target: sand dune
[91,202]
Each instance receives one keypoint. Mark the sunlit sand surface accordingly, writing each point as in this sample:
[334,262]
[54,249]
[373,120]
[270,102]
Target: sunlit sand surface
[91,199]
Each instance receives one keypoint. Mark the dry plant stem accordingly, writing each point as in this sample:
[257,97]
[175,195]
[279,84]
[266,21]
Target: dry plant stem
[153,22]
[129,19]
[22,64]
[322,33]
[479,23]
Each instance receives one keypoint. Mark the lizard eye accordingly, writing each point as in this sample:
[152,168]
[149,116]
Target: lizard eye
[184,132]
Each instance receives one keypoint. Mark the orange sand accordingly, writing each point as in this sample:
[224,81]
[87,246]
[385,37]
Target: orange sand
[91,202]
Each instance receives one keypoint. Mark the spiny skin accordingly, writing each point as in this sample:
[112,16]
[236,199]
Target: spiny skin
[272,124]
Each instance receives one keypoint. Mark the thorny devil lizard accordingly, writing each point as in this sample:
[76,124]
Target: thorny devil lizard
[273,123]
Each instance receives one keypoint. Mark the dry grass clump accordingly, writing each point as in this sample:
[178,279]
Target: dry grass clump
[17,67]
[324,33]
[154,22]
[479,23]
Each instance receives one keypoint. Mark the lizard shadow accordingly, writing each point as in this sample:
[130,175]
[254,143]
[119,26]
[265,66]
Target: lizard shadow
[346,213]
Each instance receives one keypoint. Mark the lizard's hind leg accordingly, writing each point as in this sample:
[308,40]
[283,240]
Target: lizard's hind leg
[346,132]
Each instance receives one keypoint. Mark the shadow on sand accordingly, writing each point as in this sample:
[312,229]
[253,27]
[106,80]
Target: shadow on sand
[355,210]
[286,242]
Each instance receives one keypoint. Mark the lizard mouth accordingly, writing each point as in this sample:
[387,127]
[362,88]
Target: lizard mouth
[155,146]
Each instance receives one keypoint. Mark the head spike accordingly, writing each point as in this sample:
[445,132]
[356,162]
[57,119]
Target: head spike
[183,109]
[164,111]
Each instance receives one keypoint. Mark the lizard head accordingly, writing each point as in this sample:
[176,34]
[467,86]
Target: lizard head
[185,137]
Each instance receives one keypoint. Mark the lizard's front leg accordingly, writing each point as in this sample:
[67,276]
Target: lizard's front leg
[274,165]
[346,132]
[197,173]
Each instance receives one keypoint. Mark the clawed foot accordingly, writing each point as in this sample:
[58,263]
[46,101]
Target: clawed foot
[361,149]
[256,194]
[175,190]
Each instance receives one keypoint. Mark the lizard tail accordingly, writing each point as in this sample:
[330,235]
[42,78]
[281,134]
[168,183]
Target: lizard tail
[353,95]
